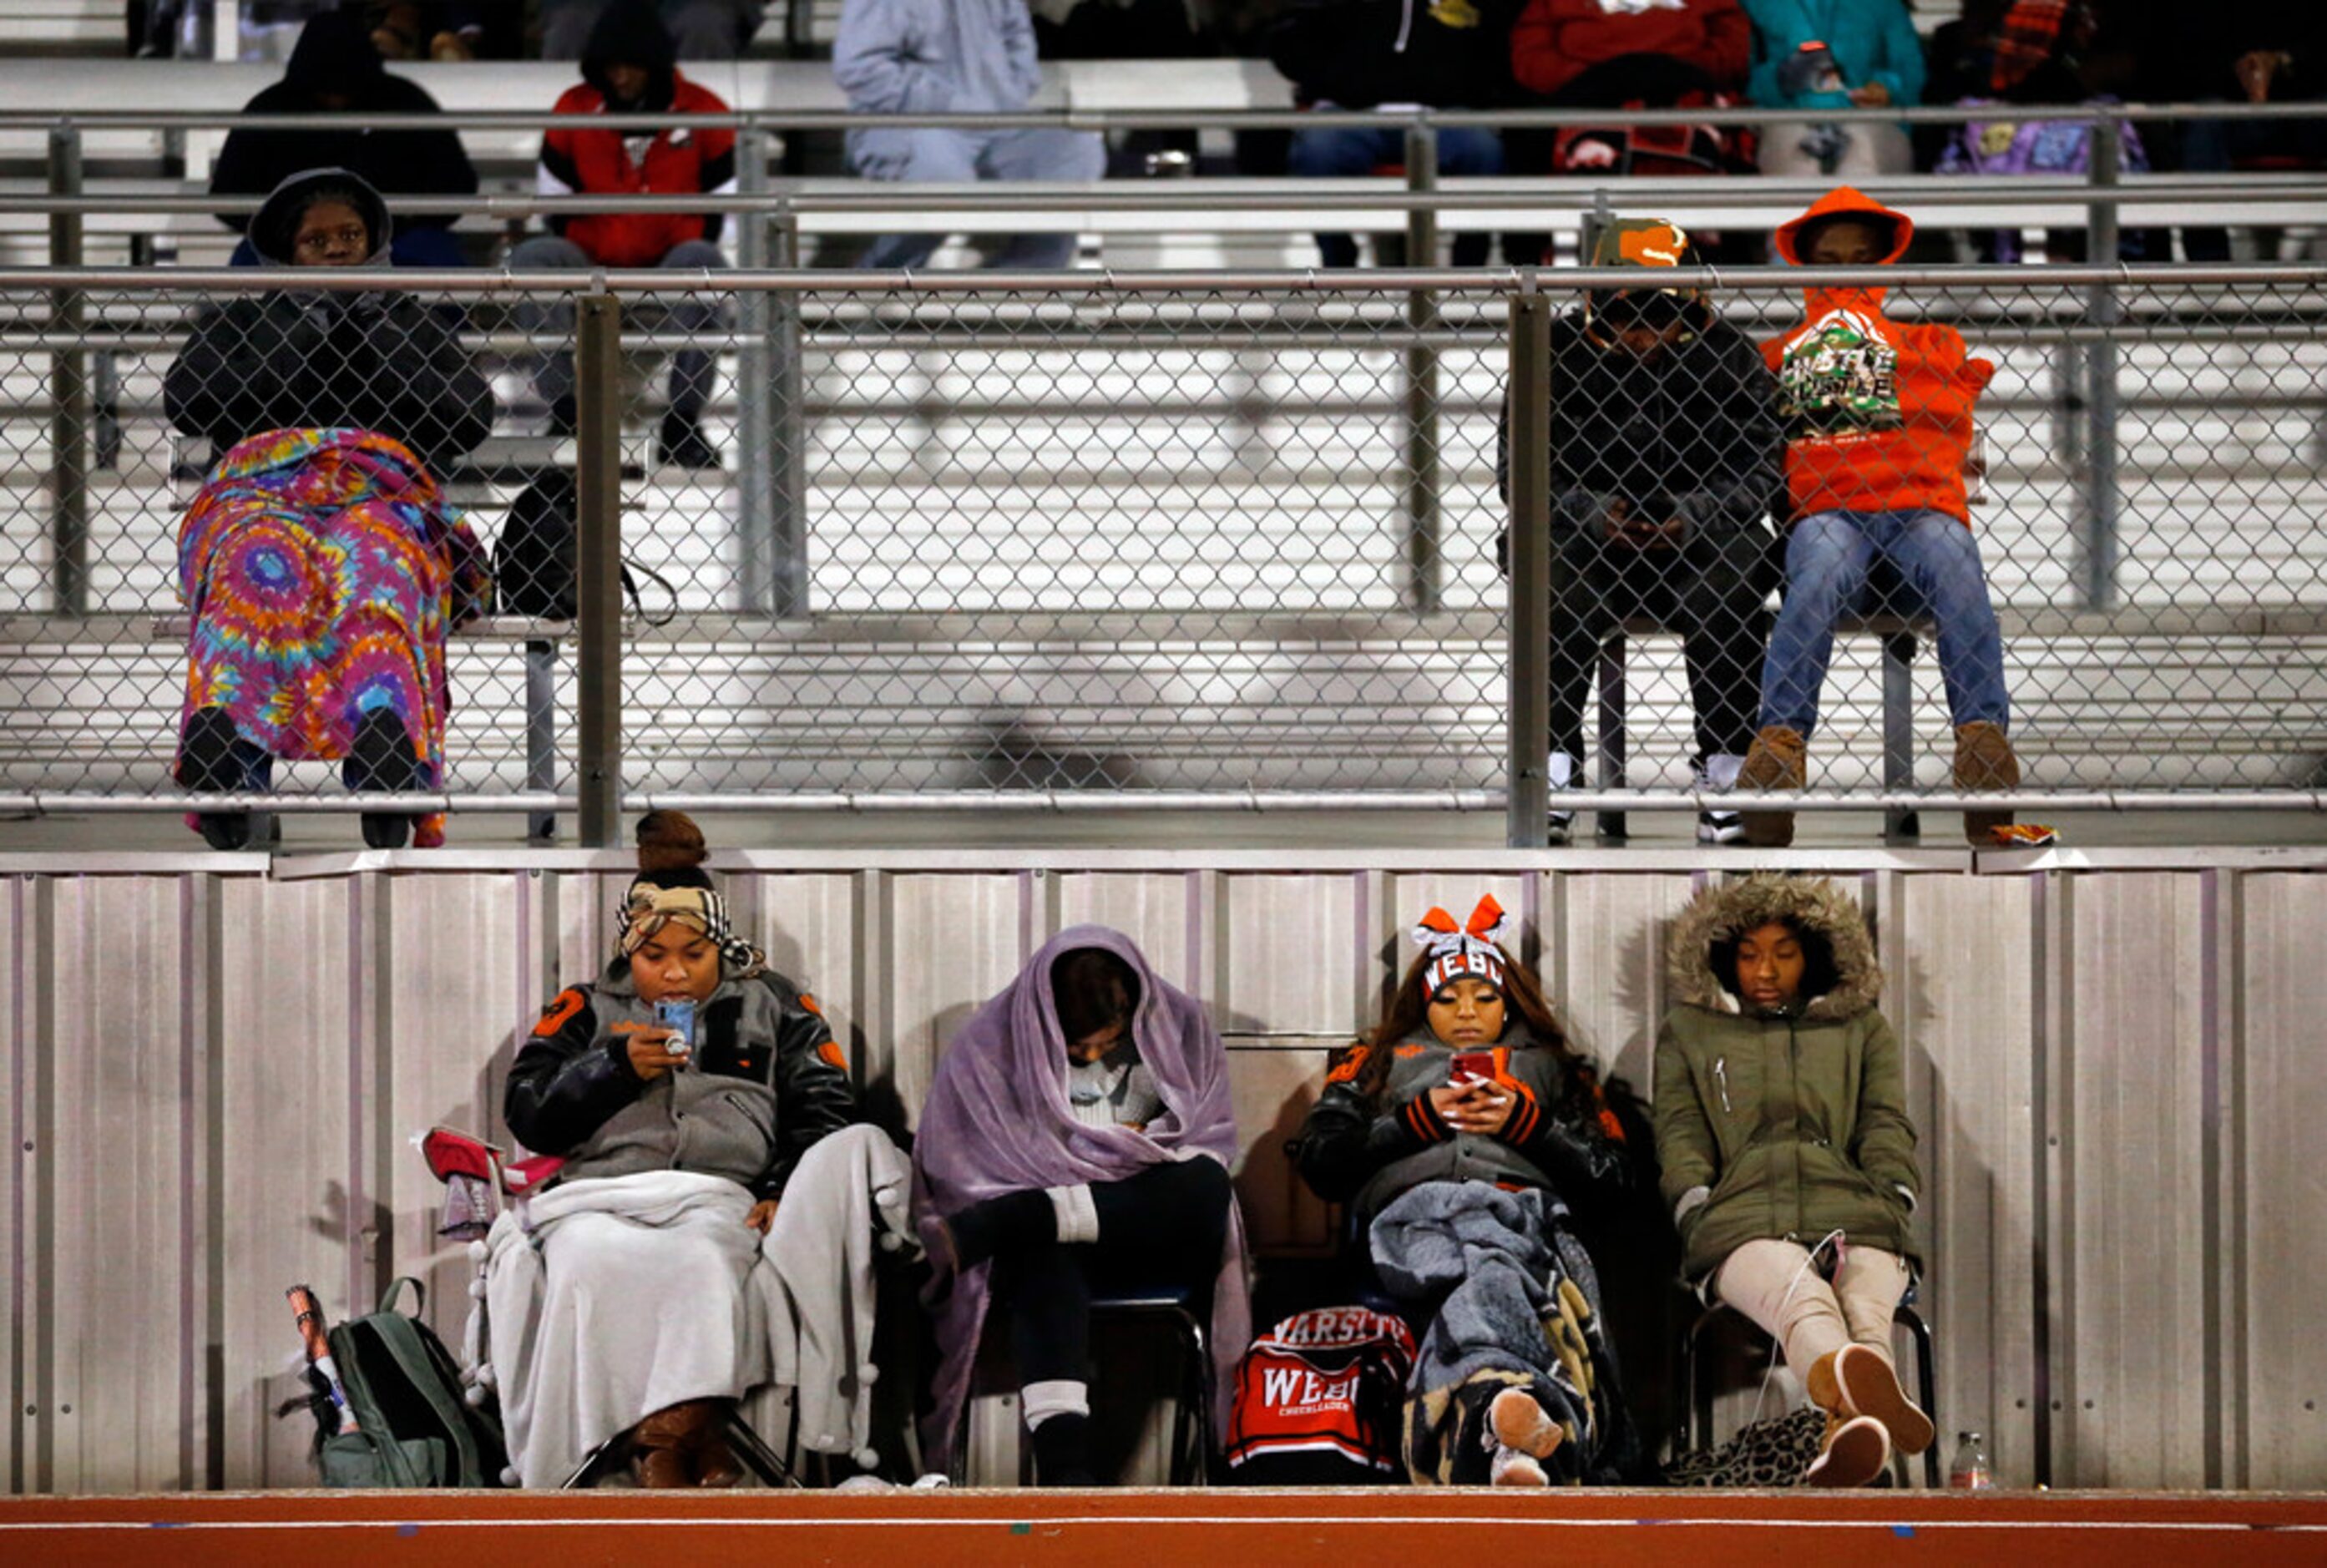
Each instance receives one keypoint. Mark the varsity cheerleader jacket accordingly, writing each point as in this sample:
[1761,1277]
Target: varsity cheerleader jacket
[1366,1151]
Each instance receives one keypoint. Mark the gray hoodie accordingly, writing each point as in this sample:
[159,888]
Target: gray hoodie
[894,57]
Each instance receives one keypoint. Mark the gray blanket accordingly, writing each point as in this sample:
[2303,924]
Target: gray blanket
[1517,1306]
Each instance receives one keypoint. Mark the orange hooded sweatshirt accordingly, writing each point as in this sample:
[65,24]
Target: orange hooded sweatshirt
[1877,413]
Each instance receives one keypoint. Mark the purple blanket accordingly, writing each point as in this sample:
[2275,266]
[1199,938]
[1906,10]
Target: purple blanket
[997,1121]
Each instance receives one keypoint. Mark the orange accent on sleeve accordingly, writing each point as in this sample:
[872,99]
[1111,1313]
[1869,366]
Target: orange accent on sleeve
[828,1052]
[809,1003]
[559,1013]
[1351,1062]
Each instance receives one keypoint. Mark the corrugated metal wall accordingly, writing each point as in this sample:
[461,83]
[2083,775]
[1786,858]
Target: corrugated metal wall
[212,1080]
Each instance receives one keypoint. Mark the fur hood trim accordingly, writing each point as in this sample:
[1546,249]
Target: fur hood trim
[1731,908]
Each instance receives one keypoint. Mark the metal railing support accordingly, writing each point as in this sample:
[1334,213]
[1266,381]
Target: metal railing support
[1528,802]
[598,549]
[2099,544]
[68,402]
[1422,382]
[754,540]
[787,452]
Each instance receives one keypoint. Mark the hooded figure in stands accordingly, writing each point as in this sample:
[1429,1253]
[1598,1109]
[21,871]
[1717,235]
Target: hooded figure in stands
[335,70]
[320,563]
[630,68]
[1665,461]
[1781,1119]
[1879,434]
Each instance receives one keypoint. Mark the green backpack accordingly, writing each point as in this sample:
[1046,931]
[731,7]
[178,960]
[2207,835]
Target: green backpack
[413,1428]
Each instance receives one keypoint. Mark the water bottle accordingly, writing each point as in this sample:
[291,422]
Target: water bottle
[1969,1472]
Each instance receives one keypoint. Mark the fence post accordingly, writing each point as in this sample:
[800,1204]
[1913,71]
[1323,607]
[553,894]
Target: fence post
[2101,542]
[788,437]
[1527,813]
[752,531]
[1422,380]
[69,410]
[598,547]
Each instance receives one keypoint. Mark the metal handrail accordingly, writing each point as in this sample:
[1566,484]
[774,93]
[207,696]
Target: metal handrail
[1082,120]
[1496,280]
[1282,195]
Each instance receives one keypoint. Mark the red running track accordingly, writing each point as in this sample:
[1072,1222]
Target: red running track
[1162,1529]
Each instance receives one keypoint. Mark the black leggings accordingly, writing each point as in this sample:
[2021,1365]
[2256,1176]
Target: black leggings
[1165,1226]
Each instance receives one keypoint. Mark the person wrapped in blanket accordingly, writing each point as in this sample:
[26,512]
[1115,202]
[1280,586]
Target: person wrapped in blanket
[629,1302]
[1467,1135]
[321,563]
[1076,1139]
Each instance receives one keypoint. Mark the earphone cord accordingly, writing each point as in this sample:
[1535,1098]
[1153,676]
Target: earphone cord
[1777,1347]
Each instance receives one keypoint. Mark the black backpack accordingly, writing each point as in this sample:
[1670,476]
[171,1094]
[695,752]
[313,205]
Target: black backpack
[414,1427]
[535,571]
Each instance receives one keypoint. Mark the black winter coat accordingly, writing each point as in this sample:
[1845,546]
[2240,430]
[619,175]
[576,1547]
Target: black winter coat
[1457,54]
[766,1083]
[334,55]
[1693,435]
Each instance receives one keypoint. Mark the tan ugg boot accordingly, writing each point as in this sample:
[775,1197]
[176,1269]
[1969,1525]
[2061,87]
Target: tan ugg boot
[1984,761]
[1779,759]
[1519,1423]
[1868,1384]
[662,1446]
[1857,1451]
[714,1461]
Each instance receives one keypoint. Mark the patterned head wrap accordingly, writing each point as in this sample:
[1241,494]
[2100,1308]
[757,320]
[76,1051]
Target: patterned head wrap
[648,908]
[1465,952]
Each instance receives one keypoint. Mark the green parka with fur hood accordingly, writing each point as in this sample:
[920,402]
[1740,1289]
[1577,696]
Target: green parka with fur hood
[1786,1126]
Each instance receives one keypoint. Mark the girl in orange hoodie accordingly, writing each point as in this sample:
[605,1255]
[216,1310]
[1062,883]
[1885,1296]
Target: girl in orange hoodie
[1878,417]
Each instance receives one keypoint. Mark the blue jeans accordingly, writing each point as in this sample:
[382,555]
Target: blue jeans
[1937,561]
[1346,152]
[960,157]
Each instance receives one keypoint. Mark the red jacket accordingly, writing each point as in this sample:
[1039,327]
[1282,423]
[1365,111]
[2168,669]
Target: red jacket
[676,163]
[1556,40]
[1877,413]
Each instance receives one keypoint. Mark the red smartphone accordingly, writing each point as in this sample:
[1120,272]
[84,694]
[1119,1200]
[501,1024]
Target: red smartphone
[1472,1067]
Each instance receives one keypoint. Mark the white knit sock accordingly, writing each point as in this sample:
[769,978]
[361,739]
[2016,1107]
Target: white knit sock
[1077,1214]
[1054,1396]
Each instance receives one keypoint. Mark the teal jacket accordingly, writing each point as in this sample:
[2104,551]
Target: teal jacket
[1872,40]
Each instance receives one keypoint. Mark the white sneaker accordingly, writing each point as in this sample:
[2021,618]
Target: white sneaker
[1718,774]
[1562,772]
[1719,827]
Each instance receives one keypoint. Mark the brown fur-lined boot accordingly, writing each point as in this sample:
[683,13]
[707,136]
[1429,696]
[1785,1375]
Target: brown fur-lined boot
[714,1461]
[662,1447]
[1984,761]
[1857,1451]
[1868,1384]
[1779,759]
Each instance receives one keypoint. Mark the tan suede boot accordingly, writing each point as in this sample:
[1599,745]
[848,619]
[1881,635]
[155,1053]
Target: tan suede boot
[1984,761]
[1868,1384]
[714,1461]
[661,1447]
[1779,759]
[1857,1451]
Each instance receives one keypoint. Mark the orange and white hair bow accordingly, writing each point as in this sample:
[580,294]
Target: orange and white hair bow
[1466,950]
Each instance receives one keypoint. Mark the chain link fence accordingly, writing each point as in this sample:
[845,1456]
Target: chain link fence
[1028,539]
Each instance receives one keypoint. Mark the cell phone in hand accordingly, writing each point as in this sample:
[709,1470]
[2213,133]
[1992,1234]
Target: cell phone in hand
[676,1013]
[1472,1067]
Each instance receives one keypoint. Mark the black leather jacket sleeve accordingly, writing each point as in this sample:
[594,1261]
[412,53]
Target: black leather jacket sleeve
[1569,1143]
[566,1081]
[1344,1140]
[813,1095]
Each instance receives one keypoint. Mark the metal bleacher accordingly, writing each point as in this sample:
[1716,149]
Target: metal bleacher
[894,676]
